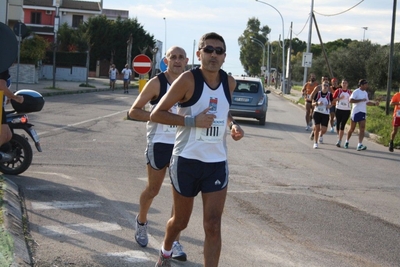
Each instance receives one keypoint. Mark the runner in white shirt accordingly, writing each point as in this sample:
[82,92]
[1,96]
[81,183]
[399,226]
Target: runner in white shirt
[359,99]
[127,76]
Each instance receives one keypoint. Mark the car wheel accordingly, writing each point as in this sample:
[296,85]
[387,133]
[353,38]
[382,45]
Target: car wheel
[261,121]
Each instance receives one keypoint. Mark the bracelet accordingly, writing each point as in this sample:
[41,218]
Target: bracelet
[190,121]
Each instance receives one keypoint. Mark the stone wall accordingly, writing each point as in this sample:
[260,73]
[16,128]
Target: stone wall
[27,73]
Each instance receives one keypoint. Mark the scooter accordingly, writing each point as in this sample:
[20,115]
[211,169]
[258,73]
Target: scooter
[18,152]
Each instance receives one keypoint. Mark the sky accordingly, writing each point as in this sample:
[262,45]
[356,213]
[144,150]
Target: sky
[187,20]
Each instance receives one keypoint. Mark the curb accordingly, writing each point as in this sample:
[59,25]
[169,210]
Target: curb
[13,223]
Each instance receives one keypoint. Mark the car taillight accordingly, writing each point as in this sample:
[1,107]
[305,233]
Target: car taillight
[260,101]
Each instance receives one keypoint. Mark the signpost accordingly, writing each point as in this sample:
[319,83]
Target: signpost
[141,64]
[163,66]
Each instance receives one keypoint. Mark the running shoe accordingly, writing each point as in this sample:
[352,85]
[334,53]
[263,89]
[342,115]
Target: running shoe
[177,252]
[346,145]
[332,130]
[163,261]
[361,147]
[321,140]
[307,128]
[315,145]
[312,135]
[391,147]
[141,234]
[338,143]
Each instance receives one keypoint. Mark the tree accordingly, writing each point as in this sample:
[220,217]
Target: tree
[108,39]
[251,52]
[33,49]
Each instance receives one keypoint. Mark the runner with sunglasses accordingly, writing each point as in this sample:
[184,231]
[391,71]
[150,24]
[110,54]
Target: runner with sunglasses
[199,158]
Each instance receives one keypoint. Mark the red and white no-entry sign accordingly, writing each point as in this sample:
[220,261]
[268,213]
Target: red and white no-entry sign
[141,64]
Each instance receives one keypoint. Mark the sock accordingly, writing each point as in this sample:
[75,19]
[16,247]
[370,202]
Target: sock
[166,253]
[140,222]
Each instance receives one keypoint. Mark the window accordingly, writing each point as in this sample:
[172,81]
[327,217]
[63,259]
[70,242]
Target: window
[36,18]
[77,20]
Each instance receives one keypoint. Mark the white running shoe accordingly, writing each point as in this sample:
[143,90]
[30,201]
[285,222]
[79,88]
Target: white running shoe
[321,140]
[315,145]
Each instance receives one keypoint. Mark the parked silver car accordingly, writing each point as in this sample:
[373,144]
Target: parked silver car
[250,99]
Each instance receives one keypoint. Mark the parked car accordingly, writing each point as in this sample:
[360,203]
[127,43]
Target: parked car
[250,99]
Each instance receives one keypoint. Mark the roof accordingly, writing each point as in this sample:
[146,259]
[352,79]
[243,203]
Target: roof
[246,78]
[47,3]
[70,4]
[82,5]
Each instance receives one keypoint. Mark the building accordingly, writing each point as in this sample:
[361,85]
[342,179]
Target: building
[44,17]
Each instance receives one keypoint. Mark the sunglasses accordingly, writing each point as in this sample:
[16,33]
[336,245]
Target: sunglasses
[326,85]
[210,49]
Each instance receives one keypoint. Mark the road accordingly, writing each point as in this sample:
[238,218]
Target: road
[288,204]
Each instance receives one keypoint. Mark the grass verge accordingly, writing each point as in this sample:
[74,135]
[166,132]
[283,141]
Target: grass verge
[6,242]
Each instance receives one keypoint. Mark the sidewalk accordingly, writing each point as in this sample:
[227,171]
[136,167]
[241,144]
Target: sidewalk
[294,95]
[45,87]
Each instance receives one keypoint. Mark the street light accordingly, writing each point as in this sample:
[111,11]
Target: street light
[254,40]
[165,25]
[283,45]
[365,28]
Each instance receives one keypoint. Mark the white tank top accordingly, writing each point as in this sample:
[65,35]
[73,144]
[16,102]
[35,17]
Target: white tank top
[205,144]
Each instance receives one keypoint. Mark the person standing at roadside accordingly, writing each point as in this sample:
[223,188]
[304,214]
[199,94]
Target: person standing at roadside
[360,101]
[127,77]
[199,158]
[307,90]
[322,101]
[112,73]
[343,108]
[160,141]
[395,101]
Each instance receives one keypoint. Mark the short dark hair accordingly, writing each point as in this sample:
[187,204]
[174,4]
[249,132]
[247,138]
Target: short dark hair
[211,35]
[362,82]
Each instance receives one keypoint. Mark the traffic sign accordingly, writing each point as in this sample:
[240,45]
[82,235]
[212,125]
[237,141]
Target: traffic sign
[141,64]
[20,29]
[163,66]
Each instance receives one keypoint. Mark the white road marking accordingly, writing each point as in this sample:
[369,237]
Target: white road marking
[78,228]
[55,173]
[65,205]
[133,256]
[82,122]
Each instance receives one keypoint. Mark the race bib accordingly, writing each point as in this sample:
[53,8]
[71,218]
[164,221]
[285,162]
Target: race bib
[321,109]
[398,113]
[169,128]
[214,134]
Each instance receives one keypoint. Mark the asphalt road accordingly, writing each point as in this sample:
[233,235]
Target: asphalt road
[288,204]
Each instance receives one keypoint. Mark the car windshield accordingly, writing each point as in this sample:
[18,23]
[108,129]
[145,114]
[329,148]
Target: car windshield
[246,87]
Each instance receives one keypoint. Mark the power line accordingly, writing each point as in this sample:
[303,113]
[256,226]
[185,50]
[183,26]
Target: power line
[347,10]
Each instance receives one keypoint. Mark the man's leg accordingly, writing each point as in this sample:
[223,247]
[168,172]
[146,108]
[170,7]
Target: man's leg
[182,210]
[5,135]
[213,206]
[154,182]
[308,114]
[361,126]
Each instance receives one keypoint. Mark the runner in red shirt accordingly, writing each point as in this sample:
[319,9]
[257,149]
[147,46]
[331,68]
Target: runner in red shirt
[396,118]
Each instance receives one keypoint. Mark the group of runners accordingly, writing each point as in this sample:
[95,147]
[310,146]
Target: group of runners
[334,103]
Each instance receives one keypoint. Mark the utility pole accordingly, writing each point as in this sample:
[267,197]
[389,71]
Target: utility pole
[309,39]
[129,51]
[389,81]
